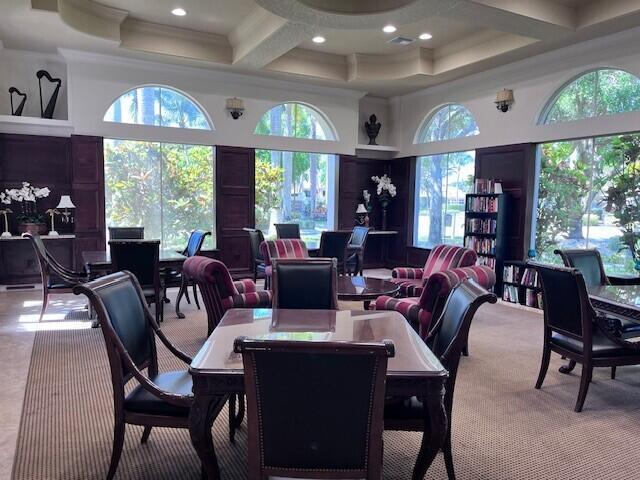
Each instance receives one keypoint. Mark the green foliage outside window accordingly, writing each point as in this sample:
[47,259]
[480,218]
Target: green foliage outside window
[167,188]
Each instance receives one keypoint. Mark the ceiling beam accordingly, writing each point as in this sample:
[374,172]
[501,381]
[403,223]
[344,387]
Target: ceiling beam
[263,37]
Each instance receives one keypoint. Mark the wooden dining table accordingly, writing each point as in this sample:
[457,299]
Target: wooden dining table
[414,370]
[617,300]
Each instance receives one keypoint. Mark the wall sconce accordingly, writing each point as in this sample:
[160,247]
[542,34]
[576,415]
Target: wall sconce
[235,107]
[504,100]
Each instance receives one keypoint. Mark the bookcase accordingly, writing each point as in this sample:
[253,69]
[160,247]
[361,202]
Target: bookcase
[521,285]
[485,230]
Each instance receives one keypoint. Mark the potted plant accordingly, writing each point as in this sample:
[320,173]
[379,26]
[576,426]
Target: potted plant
[29,220]
[386,191]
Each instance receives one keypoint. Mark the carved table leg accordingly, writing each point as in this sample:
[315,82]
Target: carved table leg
[203,412]
[435,428]
[181,292]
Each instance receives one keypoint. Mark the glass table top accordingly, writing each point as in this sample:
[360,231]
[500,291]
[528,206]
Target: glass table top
[412,356]
[625,295]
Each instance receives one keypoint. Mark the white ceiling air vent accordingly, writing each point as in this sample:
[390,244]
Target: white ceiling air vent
[402,41]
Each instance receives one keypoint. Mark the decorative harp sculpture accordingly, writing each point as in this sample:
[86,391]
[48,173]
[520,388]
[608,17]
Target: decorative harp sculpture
[48,112]
[18,111]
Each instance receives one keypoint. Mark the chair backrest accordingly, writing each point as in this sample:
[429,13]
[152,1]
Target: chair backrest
[287,230]
[567,308]
[286,248]
[305,283]
[315,409]
[48,264]
[359,236]
[588,261]
[196,239]
[140,257]
[215,283]
[125,322]
[334,245]
[440,284]
[445,257]
[126,233]
[451,331]
[255,239]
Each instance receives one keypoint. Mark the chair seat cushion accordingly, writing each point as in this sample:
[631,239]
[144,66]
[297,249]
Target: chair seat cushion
[60,286]
[141,400]
[245,285]
[402,408]
[629,326]
[602,346]
[408,307]
[256,299]
[409,287]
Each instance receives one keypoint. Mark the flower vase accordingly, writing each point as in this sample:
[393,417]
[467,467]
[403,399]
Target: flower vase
[33,228]
[384,218]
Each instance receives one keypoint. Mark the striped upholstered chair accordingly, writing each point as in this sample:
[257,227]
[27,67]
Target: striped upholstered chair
[441,257]
[220,292]
[419,311]
[282,248]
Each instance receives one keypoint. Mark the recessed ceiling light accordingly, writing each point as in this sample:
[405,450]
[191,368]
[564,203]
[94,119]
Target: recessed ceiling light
[389,29]
[179,12]
[425,36]
[318,39]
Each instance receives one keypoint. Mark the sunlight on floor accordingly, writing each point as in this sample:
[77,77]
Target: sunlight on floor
[56,326]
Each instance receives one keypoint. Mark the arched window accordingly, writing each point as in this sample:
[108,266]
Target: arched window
[157,106]
[593,94]
[450,121]
[295,120]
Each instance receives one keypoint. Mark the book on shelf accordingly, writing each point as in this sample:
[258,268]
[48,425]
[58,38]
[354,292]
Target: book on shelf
[487,262]
[486,185]
[481,245]
[482,204]
[511,274]
[530,278]
[511,294]
[481,225]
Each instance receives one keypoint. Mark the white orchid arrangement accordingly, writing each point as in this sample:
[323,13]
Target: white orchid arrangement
[27,196]
[385,187]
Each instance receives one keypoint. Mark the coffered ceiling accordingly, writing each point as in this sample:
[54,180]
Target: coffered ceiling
[274,37]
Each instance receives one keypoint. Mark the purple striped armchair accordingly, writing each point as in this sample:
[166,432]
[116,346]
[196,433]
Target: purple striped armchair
[442,257]
[220,292]
[419,311]
[282,248]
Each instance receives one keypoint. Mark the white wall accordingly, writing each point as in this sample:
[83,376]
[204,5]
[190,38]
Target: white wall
[380,108]
[533,81]
[95,81]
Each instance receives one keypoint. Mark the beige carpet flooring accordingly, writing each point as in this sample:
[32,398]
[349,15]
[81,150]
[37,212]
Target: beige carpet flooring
[503,428]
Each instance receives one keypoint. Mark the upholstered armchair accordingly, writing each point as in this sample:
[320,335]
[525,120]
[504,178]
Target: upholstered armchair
[442,257]
[283,248]
[419,311]
[220,292]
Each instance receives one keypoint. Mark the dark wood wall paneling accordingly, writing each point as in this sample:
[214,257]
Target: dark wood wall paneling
[355,176]
[515,166]
[68,166]
[235,205]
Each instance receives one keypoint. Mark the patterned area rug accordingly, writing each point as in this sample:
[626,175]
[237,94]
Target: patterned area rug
[503,428]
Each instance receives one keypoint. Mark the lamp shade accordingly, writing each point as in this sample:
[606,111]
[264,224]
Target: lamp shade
[361,208]
[65,202]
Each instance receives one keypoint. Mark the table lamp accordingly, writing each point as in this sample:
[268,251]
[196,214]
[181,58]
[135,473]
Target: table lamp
[362,214]
[66,203]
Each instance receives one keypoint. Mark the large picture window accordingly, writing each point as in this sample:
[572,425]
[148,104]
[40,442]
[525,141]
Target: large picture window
[442,181]
[295,187]
[295,120]
[589,197]
[448,122]
[167,188]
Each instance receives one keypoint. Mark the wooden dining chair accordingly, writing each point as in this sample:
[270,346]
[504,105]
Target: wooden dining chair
[256,237]
[573,329]
[447,339]
[160,399]
[333,244]
[55,277]
[309,284]
[356,249]
[314,409]
[126,233]
[142,258]
[287,230]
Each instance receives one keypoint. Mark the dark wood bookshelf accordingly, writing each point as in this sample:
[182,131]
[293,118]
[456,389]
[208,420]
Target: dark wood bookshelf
[518,287]
[498,236]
